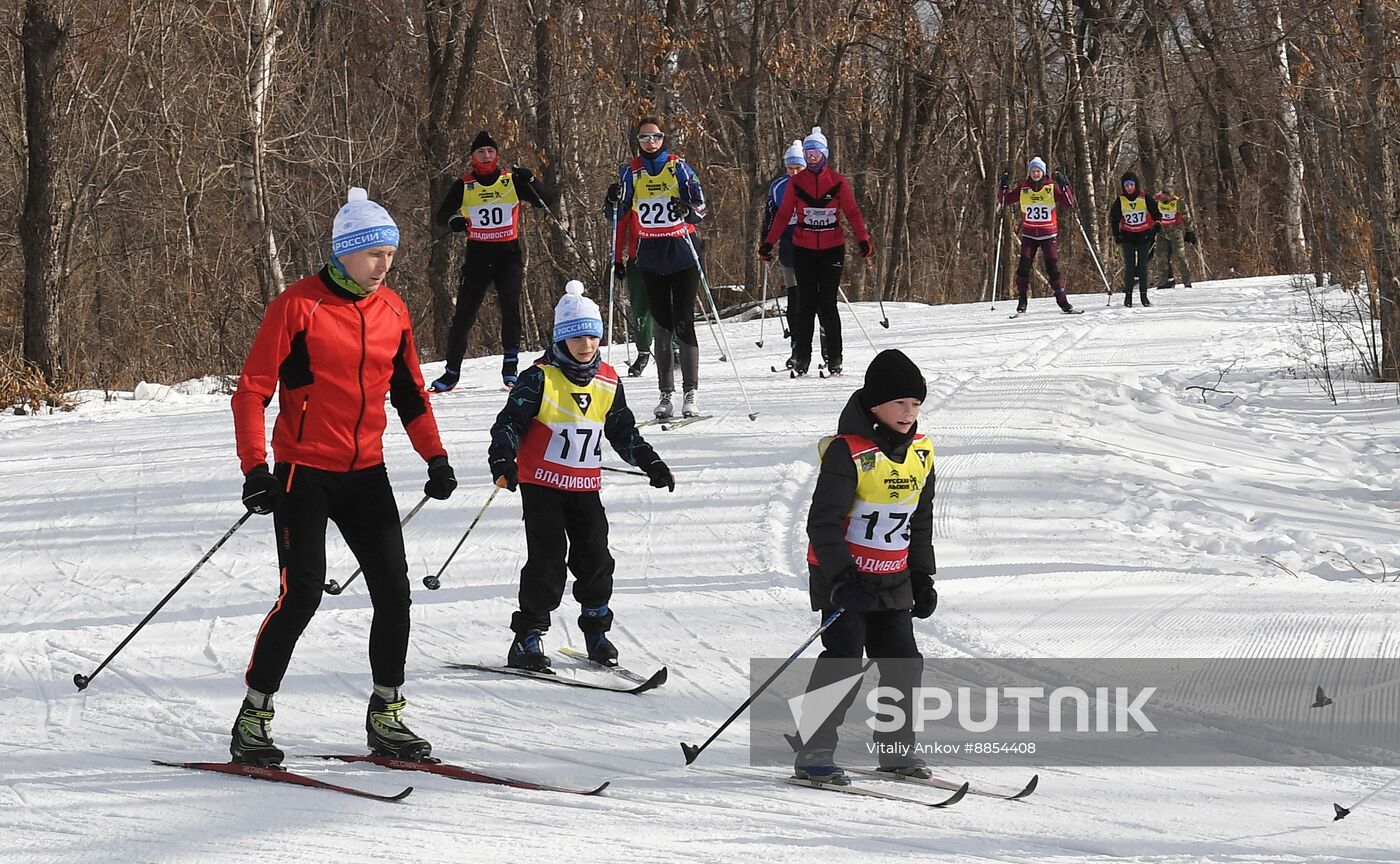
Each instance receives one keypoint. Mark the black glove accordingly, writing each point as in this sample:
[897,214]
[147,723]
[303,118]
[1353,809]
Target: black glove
[261,491]
[1191,237]
[683,210]
[441,479]
[866,250]
[1060,178]
[504,469]
[458,223]
[661,476]
[619,270]
[925,595]
[1118,238]
[1005,180]
[851,594]
[765,251]
[523,176]
[613,196]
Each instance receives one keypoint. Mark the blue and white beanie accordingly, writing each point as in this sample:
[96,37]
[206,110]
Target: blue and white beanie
[576,315]
[1037,162]
[362,224]
[815,140]
[793,155]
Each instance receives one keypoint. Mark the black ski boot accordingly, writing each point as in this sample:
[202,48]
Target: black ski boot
[252,737]
[913,767]
[527,652]
[1145,301]
[595,622]
[387,734]
[819,766]
[638,366]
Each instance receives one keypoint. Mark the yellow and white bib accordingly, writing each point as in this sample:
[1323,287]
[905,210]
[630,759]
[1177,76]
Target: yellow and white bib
[887,493]
[564,447]
[656,201]
[493,212]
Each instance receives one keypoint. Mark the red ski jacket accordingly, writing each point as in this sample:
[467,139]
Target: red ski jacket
[817,199]
[332,360]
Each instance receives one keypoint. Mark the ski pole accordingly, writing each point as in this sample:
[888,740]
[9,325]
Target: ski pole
[334,587]
[612,276]
[436,240]
[705,281]
[567,236]
[625,471]
[857,319]
[692,752]
[884,317]
[763,306]
[996,266]
[1341,812]
[432,583]
[82,681]
[1108,289]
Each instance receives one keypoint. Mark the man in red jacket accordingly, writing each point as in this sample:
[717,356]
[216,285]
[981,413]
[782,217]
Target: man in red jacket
[332,346]
[817,194]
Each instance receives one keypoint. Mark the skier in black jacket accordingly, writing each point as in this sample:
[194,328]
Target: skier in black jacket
[871,554]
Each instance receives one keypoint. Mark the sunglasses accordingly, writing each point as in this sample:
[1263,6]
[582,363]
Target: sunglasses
[644,137]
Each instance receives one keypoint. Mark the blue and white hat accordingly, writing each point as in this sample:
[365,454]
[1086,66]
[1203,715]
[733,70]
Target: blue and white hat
[1035,163]
[362,224]
[576,315]
[793,155]
[815,140]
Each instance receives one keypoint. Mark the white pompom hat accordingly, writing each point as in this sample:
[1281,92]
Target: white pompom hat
[576,315]
[362,224]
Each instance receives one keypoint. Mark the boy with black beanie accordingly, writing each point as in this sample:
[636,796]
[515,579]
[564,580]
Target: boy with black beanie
[871,555]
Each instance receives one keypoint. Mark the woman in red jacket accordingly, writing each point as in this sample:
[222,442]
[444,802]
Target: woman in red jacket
[817,194]
[331,347]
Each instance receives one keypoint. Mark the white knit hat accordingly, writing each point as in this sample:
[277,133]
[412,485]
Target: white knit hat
[815,140]
[793,155]
[362,224]
[1036,162]
[576,315]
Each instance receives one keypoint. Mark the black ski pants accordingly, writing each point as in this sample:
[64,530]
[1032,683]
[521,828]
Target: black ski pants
[1136,253]
[361,504]
[818,284]
[486,264]
[672,300]
[887,637]
[563,530]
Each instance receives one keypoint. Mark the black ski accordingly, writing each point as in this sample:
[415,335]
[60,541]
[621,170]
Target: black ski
[457,772]
[280,775]
[875,793]
[944,783]
[654,681]
[619,671]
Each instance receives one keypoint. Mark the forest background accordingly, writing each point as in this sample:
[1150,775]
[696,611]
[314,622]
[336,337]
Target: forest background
[169,166]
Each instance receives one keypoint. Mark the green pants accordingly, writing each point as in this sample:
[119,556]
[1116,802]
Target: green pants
[640,318]
[1171,246]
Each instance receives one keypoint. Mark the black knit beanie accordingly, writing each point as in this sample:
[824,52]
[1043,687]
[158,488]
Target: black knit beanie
[483,139]
[892,375]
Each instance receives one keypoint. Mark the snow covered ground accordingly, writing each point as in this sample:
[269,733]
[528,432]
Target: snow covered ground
[1089,505]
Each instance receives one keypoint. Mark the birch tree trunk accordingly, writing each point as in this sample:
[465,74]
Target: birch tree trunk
[262,46]
[1295,241]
